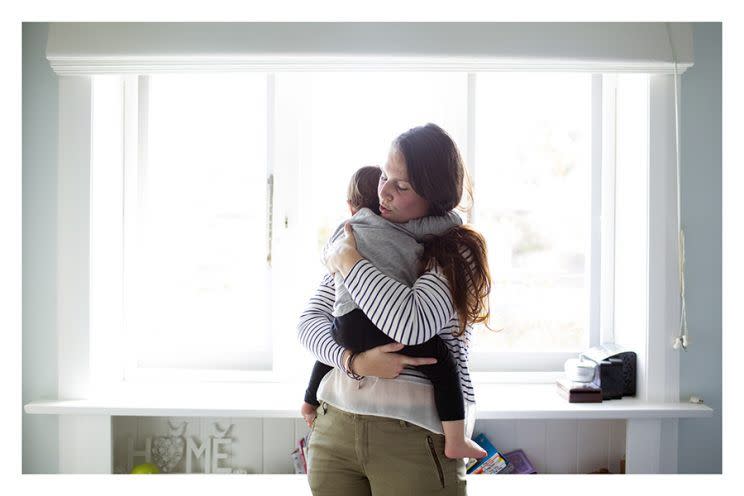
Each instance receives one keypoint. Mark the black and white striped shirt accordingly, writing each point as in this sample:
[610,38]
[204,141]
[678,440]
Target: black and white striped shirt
[409,315]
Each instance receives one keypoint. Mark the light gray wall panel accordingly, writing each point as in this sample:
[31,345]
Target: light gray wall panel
[700,151]
[39,237]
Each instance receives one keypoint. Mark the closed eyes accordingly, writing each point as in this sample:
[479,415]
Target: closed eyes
[397,186]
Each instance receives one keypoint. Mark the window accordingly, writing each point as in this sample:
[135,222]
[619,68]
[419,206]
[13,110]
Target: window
[201,247]
[214,194]
[533,172]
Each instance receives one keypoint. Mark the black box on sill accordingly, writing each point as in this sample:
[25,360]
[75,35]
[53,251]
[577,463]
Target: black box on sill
[615,372]
[611,378]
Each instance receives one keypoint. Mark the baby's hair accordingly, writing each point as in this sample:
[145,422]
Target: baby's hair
[362,190]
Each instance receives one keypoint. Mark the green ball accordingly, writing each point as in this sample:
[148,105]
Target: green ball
[146,468]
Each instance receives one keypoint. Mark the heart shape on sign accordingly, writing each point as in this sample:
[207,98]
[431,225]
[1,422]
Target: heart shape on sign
[167,452]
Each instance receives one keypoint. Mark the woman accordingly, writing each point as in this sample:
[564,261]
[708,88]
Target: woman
[377,430]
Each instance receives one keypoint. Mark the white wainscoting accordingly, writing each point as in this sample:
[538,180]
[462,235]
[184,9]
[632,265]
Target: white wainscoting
[259,446]
[263,445]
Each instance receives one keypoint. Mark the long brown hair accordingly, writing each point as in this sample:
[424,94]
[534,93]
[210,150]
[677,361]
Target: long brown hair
[436,172]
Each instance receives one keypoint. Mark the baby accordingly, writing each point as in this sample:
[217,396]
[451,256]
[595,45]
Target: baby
[395,249]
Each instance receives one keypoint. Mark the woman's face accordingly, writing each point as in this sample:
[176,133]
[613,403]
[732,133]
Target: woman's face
[398,201]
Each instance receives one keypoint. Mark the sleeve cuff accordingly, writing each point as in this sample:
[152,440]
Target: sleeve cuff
[354,271]
[340,361]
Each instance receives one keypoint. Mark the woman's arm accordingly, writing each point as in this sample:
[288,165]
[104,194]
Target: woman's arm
[314,332]
[407,315]
[314,328]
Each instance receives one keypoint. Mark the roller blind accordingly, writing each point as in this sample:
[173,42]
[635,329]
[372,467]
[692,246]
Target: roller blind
[97,48]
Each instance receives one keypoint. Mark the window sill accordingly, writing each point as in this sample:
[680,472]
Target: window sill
[282,400]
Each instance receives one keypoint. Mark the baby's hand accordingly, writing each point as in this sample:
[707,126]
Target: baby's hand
[308,413]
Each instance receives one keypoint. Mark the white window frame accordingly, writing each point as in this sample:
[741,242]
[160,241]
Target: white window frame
[110,366]
[495,366]
[528,366]
[544,366]
[73,249]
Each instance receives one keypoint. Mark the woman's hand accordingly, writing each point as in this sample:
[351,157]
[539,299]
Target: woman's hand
[343,254]
[383,361]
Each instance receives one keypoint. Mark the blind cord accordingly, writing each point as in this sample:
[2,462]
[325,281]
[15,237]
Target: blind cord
[682,340]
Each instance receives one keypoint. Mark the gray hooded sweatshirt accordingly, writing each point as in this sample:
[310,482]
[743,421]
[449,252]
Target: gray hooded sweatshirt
[395,249]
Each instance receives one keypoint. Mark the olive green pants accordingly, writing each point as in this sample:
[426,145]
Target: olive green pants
[355,455]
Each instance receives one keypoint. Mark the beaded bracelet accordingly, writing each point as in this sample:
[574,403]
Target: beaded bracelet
[349,370]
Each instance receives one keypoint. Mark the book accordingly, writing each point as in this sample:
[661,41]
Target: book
[579,392]
[297,462]
[299,455]
[520,462]
[303,454]
[493,463]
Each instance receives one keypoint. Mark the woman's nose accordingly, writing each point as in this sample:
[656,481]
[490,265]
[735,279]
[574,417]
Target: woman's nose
[385,192]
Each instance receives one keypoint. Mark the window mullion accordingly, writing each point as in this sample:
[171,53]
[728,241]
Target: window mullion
[271,207]
[609,156]
[592,279]
[131,212]
[136,202]
[470,138]
[283,118]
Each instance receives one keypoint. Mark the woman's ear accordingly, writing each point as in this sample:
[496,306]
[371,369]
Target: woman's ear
[351,207]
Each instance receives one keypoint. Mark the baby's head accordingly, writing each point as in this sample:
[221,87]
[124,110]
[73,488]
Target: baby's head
[363,190]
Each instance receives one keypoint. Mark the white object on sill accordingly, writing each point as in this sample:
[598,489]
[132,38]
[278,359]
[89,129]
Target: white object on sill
[578,370]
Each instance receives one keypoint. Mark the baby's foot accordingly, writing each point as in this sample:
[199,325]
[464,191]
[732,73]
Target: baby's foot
[462,448]
[308,413]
